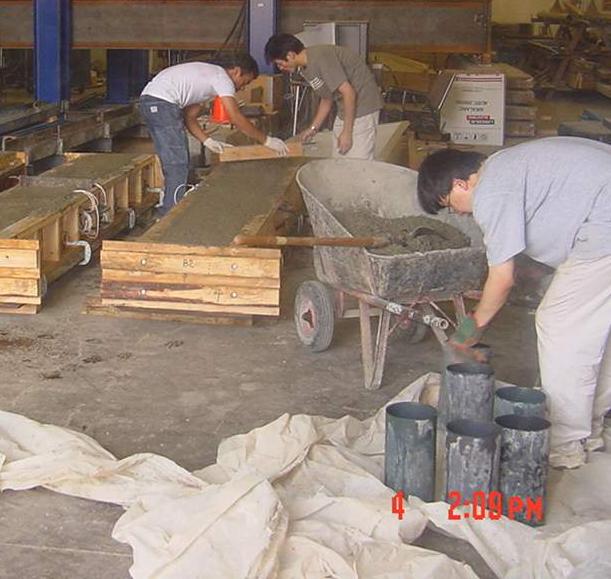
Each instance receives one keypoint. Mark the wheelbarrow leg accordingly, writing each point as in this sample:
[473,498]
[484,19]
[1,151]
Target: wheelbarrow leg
[380,353]
[373,360]
[366,343]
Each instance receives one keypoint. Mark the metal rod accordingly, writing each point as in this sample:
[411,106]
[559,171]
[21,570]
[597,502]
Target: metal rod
[409,457]
[523,467]
[519,400]
[472,459]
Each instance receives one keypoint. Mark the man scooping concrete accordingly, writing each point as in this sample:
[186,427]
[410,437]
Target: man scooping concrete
[550,199]
[174,99]
[334,72]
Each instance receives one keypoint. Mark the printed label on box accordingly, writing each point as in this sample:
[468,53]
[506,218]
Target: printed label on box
[474,111]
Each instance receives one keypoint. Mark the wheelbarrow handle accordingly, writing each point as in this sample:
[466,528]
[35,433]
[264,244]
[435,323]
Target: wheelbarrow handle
[281,241]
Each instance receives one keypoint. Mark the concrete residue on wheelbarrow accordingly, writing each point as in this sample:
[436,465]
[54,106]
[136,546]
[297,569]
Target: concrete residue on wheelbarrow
[418,233]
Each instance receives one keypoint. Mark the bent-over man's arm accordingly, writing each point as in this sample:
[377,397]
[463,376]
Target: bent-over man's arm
[240,121]
[349,99]
[190,114]
[496,290]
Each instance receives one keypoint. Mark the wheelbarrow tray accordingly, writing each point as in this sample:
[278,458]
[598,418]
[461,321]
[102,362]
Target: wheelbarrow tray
[332,186]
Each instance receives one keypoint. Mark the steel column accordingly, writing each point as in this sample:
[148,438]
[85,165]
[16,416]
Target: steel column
[127,72]
[52,43]
[262,23]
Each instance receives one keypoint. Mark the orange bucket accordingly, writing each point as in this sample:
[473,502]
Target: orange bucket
[219,114]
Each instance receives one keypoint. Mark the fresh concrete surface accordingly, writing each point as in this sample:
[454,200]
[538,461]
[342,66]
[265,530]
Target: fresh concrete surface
[178,390]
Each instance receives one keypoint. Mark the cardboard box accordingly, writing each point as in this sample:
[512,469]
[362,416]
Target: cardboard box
[266,90]
[474,109]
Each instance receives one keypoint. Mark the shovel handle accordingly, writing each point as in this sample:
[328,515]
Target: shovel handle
[281,241]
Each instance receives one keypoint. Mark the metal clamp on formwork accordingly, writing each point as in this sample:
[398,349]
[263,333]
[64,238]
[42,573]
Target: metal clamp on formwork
[86,247]
[107,214]
[131,218]
[6,139]
[90,218]
[159,191]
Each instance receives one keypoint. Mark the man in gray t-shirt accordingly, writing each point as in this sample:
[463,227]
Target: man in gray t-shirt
[549,199]
[334,73]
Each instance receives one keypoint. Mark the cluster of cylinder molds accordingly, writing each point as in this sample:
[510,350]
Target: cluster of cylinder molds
[478,443]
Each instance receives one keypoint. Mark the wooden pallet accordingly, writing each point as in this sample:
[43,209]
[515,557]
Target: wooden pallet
[41,225]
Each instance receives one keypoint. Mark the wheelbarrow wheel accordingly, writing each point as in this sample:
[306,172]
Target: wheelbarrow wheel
[413,333]
[314,315]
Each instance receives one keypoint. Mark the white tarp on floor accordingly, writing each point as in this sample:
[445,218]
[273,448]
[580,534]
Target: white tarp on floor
[301,498]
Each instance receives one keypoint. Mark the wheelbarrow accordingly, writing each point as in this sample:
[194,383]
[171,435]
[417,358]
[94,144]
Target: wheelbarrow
[402,290]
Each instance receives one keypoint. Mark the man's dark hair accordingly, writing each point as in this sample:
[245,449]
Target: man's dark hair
[241,60]
[438,171]
[279,45]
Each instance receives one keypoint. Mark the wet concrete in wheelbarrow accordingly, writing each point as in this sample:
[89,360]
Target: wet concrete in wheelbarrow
[416,233]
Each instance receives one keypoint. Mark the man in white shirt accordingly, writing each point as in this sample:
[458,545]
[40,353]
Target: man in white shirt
[174,99]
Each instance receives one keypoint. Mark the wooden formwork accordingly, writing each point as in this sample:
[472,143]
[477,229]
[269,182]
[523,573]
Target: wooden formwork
[184,268]
[225,281]
[44,238]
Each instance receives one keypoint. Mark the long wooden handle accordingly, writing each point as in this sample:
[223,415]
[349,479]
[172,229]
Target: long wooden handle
[280,241]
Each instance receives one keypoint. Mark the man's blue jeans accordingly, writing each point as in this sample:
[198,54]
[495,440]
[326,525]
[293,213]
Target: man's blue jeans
[166,125]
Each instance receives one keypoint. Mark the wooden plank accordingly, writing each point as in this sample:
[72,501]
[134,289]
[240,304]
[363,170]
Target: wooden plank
[20,272]
[220,295]
[19,309]
[198,264]
[10,286]
[52,241]
[16,299]
[520,97]
[145,277]
[206,308]
[94,306]
[520,113]
[168,249]
[19,244]
[19,258]
[254,152]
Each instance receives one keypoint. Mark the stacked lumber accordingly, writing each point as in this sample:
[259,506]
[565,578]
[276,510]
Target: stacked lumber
[184,267]
[41,230]
[520,107]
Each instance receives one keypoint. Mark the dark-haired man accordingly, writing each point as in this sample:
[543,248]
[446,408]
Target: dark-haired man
[174,99]
[334,72]
[550,199]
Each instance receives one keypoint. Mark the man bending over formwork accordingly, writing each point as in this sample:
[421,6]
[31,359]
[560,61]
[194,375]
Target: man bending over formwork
[334,72]
[175,98]
[550,199]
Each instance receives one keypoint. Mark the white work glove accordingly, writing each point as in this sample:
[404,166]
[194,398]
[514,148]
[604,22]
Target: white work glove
[215,146]
[277,145]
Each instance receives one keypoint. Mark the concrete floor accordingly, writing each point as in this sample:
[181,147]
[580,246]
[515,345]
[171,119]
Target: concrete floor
[177,390]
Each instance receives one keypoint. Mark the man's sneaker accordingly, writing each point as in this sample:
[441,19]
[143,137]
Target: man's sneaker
[594,443]
[570,455]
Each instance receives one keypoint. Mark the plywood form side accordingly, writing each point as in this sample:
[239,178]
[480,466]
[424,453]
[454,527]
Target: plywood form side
[21,279]
[189,307]
[231,280]
[191,263]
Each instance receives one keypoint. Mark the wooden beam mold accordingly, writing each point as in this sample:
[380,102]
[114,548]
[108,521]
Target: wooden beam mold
[42,234]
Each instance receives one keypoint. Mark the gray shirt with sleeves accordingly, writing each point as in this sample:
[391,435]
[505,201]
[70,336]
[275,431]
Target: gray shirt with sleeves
[549,198]
[329,66]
